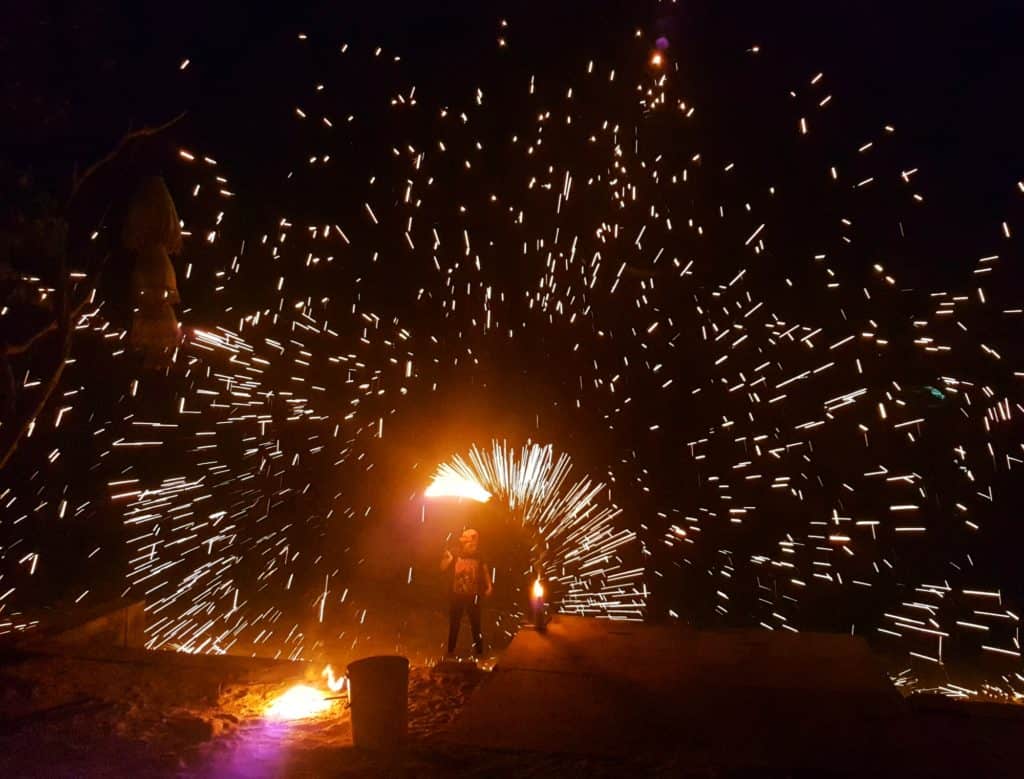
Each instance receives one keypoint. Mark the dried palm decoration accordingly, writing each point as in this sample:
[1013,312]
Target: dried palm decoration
[152,219]
[152,232]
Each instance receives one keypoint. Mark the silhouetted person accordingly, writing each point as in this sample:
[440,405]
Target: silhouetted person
[469,583]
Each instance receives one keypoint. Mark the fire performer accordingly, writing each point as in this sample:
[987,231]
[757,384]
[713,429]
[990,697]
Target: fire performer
[470,582]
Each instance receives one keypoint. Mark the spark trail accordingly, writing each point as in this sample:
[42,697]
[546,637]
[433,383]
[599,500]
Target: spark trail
[794,436]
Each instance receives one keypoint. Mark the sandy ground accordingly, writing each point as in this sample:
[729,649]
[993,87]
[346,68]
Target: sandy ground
[113,714]
[322,745]
[94,711]
[119,713]
[110,714]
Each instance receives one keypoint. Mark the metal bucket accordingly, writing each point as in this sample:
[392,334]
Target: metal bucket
[379,694]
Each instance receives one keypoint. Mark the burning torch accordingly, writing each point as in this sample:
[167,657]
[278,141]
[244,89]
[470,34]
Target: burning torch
[537,605]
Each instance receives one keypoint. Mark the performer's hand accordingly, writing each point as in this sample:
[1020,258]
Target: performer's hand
[446,559]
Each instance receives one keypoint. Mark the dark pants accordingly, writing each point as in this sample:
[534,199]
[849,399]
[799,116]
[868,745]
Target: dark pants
[472,607]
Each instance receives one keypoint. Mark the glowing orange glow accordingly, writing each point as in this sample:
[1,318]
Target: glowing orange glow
[449,484]
[657,60]
[538,589]
[299,702]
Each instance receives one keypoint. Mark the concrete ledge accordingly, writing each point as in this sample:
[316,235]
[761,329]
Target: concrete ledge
[117,623]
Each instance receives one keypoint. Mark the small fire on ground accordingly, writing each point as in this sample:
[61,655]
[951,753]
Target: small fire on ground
[303,701]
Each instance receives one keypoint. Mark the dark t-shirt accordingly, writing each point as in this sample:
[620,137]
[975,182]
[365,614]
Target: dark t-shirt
[468,576]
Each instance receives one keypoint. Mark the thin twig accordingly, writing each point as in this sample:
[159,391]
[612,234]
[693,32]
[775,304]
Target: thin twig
[15,349]
[142,132]
[48,389]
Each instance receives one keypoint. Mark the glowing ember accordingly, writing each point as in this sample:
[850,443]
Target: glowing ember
[449,484]
[300,702]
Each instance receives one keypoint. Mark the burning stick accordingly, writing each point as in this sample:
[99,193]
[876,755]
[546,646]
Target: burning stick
[540,621]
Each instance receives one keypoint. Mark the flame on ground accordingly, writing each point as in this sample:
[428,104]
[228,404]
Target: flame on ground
[333,684]
[299,702]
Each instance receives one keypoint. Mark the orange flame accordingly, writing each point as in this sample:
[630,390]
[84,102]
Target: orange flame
[449,484]
[303,701]
[299,702]
[538,589]
[333,684]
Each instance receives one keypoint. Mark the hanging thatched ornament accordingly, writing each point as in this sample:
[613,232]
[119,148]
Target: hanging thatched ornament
[155,329]
[152,219]
[153,277]
[151,231]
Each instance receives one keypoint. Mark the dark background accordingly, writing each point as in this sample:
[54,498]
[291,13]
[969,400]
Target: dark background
[79,75]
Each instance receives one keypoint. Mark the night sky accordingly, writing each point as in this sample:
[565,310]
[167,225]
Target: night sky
[946,75]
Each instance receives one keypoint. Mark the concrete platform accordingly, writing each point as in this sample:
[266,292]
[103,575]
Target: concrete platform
[115,623]
[712,699]
[119,623]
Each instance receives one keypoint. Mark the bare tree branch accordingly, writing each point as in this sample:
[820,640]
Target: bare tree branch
[142,132]
[14,350]
[66,317]
[41,402]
